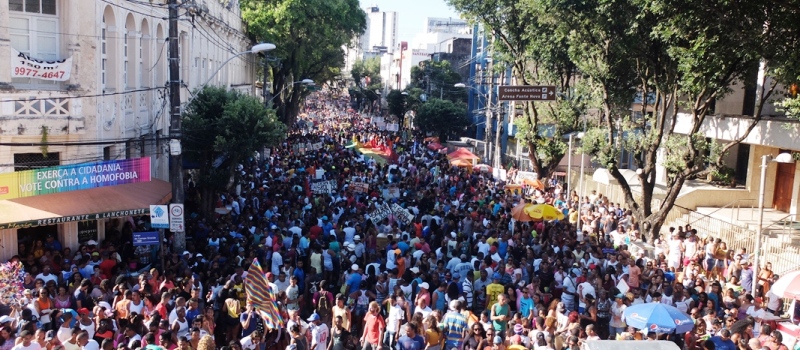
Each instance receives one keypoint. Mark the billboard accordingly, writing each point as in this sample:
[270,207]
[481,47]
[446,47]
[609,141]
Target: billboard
[73,177]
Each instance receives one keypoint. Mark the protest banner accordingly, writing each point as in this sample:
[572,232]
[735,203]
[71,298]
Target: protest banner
[402,214]
[381,212]
[316,146]
[323,187]
[360,187]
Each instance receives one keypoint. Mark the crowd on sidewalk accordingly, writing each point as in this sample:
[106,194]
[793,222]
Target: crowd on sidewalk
[458,272]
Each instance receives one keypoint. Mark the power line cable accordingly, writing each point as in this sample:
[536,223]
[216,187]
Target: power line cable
[84,96]
[77,35]
[135,11]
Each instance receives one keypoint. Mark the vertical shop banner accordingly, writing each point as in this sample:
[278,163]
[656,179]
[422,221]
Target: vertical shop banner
[73,177]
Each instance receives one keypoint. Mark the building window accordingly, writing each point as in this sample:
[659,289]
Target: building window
[33,29]
[103,54]
[141,63]
[125,59]
[28,161]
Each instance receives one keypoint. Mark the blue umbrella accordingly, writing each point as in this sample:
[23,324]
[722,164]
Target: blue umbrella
[658,317]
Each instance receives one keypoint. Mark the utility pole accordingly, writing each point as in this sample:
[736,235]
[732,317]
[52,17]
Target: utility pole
[175,131]
[498,142]
[488,125]
[264,89]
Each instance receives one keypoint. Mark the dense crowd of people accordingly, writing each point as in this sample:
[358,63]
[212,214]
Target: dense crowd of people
[462,274]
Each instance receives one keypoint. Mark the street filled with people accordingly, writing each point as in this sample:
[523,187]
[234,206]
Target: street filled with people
[370,239]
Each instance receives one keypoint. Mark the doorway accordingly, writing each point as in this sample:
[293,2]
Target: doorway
[784,181]
[29,236]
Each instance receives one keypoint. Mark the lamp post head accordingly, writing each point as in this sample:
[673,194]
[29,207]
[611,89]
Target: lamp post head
[459,85]
[785,157]
[404,93]
[307,82]
[262,47]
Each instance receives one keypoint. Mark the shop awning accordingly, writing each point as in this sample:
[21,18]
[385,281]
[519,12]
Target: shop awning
[82,205]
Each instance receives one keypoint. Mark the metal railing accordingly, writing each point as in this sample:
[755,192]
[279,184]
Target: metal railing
[782,254]
[735,205]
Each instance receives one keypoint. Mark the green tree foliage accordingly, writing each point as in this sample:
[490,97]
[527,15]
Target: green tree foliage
[678,56]
[225,125]
[524,38]
[309,35]
[398,104]
[367,77]
[437,80]
[441,117]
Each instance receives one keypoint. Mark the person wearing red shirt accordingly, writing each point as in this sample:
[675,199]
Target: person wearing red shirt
[374,325]
[108,264]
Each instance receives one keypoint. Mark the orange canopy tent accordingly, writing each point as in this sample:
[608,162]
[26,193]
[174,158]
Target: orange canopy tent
[462,153]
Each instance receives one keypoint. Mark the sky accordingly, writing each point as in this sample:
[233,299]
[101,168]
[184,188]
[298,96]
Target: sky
[412,14]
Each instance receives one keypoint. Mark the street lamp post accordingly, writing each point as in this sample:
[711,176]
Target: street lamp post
[765,160]
[176,158]
[306,82]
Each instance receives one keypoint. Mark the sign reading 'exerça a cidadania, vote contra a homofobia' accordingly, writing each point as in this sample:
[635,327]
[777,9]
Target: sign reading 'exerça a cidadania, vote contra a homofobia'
[73,177]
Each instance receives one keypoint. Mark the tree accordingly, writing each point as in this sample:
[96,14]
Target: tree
[670,55]
[437,79]
[524,39]
[221,128]
[367,77]
[441,117]
[309,36]
[398,104]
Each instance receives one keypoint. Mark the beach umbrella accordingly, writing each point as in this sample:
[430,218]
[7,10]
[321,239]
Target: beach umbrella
[658,317]
[519,214]
[545,212]
[788,286]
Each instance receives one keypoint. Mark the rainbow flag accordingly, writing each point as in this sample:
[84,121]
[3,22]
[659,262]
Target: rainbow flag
[262,297]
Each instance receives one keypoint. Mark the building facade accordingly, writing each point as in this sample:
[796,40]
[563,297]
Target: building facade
[111,102]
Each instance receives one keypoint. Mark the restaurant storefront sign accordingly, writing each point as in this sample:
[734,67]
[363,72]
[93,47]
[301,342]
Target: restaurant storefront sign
[65,219]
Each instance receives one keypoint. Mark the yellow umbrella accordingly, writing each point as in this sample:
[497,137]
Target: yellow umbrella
[545,212]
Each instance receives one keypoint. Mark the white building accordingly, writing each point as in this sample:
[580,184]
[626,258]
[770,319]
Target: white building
[437,36]
[114,104]
[380,37]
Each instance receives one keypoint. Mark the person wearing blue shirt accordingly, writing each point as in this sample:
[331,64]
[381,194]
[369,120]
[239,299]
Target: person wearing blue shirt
[411,340]
[403,246]
[525,303]
[53,243]
[301,276]
[723,341]
[353,280]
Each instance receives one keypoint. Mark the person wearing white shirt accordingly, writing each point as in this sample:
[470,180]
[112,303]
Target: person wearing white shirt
[773,302]
[251,341]
[758,314]
[319,333]
[584,289]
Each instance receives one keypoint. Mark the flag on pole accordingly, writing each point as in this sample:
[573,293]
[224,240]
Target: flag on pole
[261,296]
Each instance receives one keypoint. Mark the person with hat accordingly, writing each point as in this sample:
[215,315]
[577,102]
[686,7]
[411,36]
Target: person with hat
[617,323]
[454,326]
[319,333]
